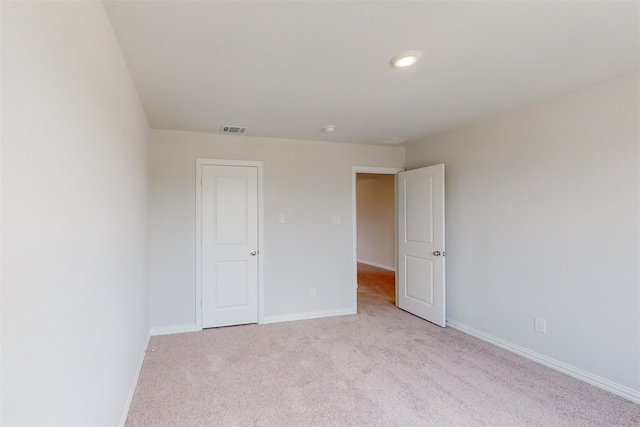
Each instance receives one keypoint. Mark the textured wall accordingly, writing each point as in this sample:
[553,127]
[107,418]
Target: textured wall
[307,181]
[376,212]
[542,220]
[74,217]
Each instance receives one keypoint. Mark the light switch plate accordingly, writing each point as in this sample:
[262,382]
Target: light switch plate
[335,219]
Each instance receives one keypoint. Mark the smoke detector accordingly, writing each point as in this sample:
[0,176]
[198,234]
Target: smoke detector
[233,129]
[395,141]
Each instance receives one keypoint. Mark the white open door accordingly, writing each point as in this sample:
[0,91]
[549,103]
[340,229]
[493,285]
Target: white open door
[421,282]
[229,245]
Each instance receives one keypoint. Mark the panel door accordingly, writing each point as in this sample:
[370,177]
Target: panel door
[229,245]
[421,281]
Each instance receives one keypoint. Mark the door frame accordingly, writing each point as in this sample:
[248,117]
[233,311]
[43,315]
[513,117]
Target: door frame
[200,162]
[355,170]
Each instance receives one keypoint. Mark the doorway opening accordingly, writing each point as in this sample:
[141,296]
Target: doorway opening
[374,228]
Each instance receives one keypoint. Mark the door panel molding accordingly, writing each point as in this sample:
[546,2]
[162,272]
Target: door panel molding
[200,162]
[421,243]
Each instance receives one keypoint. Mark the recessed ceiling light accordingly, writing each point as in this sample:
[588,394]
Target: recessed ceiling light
[405,59]
[329,128]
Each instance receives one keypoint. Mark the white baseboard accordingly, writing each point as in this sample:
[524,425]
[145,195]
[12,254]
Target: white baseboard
[610,386]
[375,264]
[134,383]
[173,330]
[307,316]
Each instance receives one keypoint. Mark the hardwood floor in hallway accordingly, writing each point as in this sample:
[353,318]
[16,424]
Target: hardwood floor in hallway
[376,283]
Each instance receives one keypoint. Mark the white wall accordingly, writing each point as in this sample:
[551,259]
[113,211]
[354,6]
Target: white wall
[542,220]
[74,217]
[376,216]
[307,181]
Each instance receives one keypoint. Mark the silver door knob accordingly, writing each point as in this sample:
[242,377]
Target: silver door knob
[253,252]
[437,253]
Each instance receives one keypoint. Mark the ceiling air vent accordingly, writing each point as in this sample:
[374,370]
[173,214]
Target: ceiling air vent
[233,129]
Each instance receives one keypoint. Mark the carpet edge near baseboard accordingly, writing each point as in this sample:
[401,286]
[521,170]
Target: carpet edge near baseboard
[168,330]
[308,316]
[134,383]
[572,371]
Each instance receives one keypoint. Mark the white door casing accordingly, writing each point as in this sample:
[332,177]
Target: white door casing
[228,260]
[421,244]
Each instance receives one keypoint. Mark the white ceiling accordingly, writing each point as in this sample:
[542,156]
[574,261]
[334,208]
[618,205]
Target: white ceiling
[286,69]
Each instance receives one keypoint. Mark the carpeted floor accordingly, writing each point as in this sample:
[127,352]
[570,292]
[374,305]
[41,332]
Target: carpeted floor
[380,367]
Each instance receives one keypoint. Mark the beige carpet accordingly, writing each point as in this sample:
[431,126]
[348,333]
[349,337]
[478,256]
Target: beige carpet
[379,367]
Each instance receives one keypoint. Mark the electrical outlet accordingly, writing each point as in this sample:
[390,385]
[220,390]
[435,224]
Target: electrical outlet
[312,292]
[540,325]
[281,218]
[335,219]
